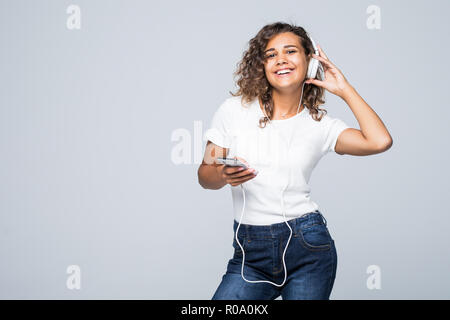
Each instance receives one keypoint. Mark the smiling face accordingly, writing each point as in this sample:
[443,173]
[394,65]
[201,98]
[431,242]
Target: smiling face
[284,51]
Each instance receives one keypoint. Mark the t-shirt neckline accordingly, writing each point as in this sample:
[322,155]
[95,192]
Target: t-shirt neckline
[280,120]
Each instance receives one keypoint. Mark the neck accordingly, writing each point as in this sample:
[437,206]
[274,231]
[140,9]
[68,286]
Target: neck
[285,104]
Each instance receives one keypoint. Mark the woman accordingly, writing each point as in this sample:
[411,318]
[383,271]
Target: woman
[272,124]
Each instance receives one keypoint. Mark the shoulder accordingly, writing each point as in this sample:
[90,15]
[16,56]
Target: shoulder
[332,126]
[233,105]
[325,120]
[330,120]
[326,123]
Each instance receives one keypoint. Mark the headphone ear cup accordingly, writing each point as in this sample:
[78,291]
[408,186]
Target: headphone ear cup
[312,68]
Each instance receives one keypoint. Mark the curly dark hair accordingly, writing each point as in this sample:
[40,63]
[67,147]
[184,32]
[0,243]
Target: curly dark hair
[252,80]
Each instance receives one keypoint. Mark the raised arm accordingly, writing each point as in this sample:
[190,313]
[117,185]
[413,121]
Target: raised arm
[373,136]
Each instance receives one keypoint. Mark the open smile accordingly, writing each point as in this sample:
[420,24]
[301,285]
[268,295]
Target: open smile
[286,72]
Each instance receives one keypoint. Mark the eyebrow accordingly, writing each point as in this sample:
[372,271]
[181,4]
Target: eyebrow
[286,46]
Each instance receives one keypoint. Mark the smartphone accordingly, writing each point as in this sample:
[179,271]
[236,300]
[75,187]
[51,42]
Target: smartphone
[232,162]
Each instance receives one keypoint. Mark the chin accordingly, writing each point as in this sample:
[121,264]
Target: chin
[293,84]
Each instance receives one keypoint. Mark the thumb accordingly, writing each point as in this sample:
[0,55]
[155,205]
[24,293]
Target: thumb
[243,160]
[315,82]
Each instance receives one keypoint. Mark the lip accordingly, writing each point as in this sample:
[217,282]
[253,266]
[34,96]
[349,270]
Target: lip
[284,75]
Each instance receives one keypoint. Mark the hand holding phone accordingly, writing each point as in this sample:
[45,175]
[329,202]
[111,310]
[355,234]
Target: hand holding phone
[232,162]
[236,170]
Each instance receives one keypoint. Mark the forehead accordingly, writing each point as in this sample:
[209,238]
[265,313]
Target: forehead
[283,39]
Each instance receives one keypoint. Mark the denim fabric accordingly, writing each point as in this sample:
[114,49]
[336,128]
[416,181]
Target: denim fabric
[311,261]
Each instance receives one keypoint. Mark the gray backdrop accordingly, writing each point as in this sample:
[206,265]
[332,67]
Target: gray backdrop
[88,119]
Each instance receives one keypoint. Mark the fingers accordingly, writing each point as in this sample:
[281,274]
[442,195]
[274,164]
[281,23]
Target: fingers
[238,175]
[322,54]
[238,181]
[315,82]
[326,62]
[243,160]
[238,172]
[231,170]
[328,66]
[322,57]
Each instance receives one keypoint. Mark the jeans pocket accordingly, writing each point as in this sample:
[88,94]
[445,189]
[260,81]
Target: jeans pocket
[258,253]
[315,237]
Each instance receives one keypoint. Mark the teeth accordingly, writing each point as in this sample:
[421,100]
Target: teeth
[283,72]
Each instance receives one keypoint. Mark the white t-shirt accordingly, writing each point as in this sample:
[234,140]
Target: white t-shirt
[284,153]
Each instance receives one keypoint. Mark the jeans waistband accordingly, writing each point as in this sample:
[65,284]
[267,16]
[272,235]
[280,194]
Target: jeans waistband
[273,230]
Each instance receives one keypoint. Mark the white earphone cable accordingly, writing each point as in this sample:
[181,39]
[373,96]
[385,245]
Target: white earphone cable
[284,216]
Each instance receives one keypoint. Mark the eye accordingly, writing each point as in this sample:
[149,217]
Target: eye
[287,51]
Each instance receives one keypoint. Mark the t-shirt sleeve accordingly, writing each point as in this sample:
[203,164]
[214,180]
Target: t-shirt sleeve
[219,132]
[333,127]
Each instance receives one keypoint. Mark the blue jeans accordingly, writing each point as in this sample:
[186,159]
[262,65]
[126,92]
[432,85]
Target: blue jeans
[310,259]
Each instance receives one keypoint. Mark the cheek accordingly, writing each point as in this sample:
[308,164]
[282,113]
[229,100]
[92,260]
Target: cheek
[268,72]
[299,62]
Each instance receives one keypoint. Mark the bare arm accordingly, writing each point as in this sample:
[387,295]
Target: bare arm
[373,136]
[214,176]
[210,173]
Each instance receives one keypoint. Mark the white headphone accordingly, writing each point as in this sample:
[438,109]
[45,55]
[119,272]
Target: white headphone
[313,66]
[311,73]
[313,63]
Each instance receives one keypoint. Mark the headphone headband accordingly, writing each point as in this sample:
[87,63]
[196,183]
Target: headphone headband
[316,51]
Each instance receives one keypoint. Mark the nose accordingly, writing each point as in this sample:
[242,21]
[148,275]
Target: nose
[281,61]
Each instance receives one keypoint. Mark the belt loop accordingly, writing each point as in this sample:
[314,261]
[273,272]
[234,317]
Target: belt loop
[324,220]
